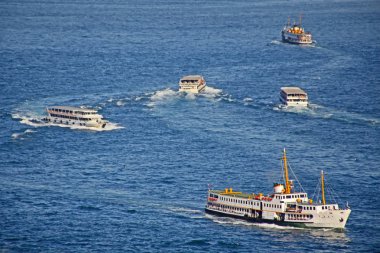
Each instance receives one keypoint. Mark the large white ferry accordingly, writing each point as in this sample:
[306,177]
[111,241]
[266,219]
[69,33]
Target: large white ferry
[293,96]
[284,207]
[67,115]
[296,34]
[192,84]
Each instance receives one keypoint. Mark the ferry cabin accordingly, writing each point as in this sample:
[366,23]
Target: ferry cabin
[75,116]
[192,84]
[293,96]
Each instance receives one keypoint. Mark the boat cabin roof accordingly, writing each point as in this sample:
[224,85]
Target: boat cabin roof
[293,90]
[71,108]
[232,194]
[192,77]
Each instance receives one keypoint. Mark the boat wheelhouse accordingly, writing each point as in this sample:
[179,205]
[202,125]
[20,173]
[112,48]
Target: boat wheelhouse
[67,115]
[284,206]
[192,84]
[295,34]
[293,96]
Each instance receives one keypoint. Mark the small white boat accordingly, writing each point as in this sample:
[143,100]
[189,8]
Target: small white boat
[293,96]
[192,84]
[67,115]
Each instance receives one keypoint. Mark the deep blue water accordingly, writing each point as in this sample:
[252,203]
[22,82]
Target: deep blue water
[142,186]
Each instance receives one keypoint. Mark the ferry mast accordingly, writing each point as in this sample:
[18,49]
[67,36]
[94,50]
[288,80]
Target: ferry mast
[323,188]
[286,175]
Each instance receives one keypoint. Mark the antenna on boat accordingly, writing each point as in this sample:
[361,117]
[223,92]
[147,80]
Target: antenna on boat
[301,20]
[288,21]
[323,188]
[286,174]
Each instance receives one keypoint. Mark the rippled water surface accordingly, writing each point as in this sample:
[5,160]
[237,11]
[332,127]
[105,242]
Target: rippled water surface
[141,184]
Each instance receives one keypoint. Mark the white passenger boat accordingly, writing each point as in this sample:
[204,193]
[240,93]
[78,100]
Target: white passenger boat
[192,84]
[67,115]
[284,206]
[293,96]
[295,34]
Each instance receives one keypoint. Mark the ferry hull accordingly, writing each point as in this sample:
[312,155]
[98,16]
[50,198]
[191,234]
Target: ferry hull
[256,220]
[296,41]
[321,222]
[70,122]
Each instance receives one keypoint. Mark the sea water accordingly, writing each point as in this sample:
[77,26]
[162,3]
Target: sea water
[141,185]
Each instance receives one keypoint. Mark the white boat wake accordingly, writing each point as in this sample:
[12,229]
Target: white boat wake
[168,95]
[319,111]
[22,134]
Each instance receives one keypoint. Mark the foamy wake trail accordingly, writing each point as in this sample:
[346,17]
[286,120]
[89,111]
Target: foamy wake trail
[120,103]
[20,135]
[168,95]
[247,101]
[162,96]
[28,120]
[232,221]
[211,92]
[319,111]
[275,42]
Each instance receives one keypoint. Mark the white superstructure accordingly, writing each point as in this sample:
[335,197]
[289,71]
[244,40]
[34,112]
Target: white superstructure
[294,96]
[296,34]
[67,115]
[192,84]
